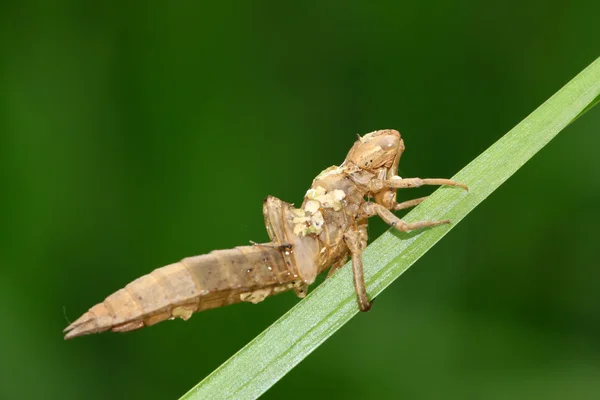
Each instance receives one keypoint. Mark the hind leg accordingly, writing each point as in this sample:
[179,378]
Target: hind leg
[354,243]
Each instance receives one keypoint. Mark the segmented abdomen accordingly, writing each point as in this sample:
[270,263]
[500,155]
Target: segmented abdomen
[219,278]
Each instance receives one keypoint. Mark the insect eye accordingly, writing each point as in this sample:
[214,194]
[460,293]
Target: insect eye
[388,142]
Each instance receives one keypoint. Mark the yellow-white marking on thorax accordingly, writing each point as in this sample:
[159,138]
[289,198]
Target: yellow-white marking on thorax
[331,199]
[309,219]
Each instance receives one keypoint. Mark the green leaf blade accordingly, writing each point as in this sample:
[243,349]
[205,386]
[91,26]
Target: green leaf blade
[267,358]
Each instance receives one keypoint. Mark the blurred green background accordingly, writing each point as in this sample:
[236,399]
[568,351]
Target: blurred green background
[133,134]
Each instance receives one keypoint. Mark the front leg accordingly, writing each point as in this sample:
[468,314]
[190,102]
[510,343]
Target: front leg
[354,243]
[395,182]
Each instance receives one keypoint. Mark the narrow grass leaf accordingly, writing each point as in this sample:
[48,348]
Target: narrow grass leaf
[273,353]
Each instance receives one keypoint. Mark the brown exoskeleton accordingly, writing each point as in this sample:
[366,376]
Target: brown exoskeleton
[330,225]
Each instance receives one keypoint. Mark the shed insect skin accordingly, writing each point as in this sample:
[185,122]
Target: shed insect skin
[330,226]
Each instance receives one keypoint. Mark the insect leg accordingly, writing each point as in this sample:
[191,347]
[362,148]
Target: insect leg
[371,209]
[407,204]
[352,239]
[399,183]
